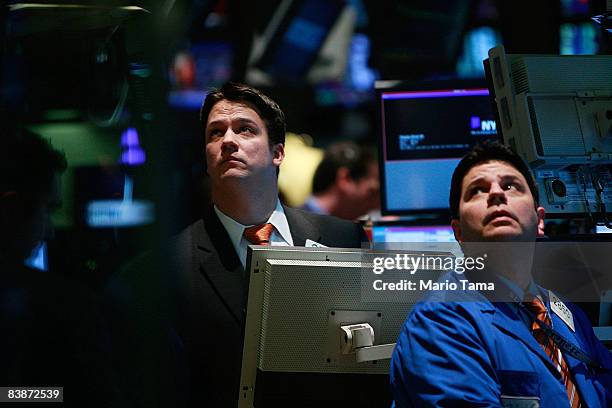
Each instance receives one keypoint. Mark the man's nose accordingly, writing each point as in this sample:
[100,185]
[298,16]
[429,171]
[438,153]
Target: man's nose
[229,141]
[497,195]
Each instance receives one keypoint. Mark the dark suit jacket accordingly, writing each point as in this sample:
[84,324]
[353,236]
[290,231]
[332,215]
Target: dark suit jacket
[198,313]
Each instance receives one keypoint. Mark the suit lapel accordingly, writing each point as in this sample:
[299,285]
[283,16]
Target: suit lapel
[220,265]
[218,262]
[301,228]
[507,320]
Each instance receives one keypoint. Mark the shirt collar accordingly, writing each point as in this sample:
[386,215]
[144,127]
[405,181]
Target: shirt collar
[279,220]
[312,205]
[532,288]
[235,230]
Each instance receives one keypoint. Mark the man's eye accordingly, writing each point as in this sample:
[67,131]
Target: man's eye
[476,190]
[214,133]
[246,129]
[511,186]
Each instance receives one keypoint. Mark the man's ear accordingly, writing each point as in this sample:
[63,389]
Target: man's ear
[278,154]
[457,230]
[541,213]
[343,178]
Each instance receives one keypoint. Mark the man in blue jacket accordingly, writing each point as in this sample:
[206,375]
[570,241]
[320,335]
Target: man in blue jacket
[470,349]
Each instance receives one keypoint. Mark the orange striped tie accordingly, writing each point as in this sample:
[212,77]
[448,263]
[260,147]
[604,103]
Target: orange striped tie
[259,234]
[536,306]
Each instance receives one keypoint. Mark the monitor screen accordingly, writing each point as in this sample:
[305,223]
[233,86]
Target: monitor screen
[105,198]
[424,130]
[397,234]
[602,229]
[205,65]
[299,36]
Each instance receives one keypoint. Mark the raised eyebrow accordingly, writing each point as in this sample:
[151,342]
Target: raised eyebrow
[467,190]
[511,177]
[247,121]
[477,180]
[213,124]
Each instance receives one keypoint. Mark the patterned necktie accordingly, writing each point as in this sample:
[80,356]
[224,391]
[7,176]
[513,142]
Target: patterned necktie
[538,308]
[259,234]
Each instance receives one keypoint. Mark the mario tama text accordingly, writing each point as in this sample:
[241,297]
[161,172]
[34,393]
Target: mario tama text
[429,284]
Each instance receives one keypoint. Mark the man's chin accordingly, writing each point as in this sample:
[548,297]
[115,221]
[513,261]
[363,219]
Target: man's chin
[233,174]
[507,234]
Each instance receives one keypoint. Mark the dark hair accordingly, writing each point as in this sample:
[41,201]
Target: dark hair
[482,153]
[28,164]
[344,154]
[266,108]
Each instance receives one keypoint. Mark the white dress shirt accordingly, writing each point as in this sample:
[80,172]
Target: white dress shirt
[281,236]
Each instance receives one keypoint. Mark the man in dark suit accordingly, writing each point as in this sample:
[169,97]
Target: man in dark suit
[244,136]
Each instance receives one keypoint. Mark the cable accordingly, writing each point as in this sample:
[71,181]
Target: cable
[582,179]
[601,205]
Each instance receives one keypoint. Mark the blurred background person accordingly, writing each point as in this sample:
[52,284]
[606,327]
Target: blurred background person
[52,333]
[346,182]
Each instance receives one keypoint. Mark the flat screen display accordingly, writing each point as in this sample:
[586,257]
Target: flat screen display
[398,233]
[424,130]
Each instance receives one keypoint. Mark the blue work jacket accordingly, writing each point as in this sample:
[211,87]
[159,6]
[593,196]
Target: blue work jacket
[478,353]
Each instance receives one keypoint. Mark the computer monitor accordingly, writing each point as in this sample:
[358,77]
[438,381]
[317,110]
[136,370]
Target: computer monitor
[409,236]
[424,130]
[298,299]
[295,36]
[105,198]
[395,233]
[554,111]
